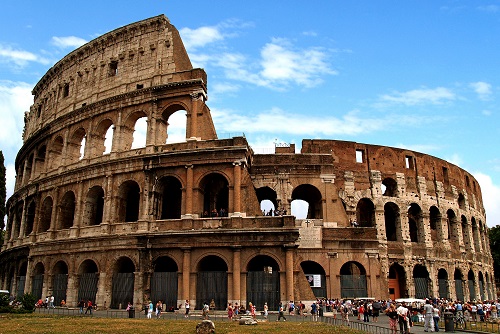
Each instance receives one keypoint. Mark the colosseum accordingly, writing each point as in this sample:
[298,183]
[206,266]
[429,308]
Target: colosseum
[175,221]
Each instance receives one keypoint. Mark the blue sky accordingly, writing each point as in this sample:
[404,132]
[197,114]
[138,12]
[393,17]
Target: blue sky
[422,75]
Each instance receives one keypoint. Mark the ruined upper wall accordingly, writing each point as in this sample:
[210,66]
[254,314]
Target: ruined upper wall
[140,55]
[440,175]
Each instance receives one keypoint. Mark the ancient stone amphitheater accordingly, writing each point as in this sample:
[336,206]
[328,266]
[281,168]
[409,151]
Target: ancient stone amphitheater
[93,217]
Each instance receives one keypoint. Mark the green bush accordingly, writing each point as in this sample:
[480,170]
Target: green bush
[28,302]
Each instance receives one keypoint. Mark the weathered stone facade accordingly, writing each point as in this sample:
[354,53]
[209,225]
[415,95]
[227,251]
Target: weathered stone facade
[135,223]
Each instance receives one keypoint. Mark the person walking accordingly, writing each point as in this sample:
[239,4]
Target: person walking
[280,313]
[186,306]
[266,310]
[402,312]
[428,322]
[435,317]
[89,307]
[150,309]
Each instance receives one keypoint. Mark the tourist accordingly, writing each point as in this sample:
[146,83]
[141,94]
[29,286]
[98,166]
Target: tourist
[266,310]
[150,309]
[230,312]
[186,306]
[280,313]
[393,318]
[428,314]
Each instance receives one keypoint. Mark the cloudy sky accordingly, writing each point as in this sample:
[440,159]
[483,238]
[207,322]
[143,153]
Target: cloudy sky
[422,75]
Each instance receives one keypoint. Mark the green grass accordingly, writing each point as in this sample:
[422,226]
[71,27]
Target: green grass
[37,323]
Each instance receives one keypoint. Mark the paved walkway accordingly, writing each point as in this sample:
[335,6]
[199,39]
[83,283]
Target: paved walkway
[382,326]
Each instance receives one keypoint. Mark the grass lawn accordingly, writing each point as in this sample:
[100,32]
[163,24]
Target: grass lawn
[35,323]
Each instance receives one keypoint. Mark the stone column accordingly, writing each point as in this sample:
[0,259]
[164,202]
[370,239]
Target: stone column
[189,191]
[55,209]
[236,274]
[138,288]
[72,290]
[237,189]
[289,249]
[193,116]
[186,272]
[103,296]
[23,220]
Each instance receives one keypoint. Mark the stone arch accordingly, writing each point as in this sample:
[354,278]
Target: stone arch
[461,201]
[28,168]
[55,152]
[471,281]
[389,187]
[164,281]
[37,280]
[45,214]
[480,279]
[475,235]
[171,123]
[444,291]
[459,284]
[18,214]
[353,280]
[365,213]
[392,222]
[316,276]
[76,145]
[214,188]
[421,280]
[465,232]
[30,217]
[415,222]
[122,290]
[263,282]
[453,226]
[211,282]
[59,281]
[168,198]
[129,197]
[313,197]
[267,194]
[67,210]
[101,143]
[93,207]
[128,130]
[39,163]
[21,277]
[397,281]
[88,279]
[435,222]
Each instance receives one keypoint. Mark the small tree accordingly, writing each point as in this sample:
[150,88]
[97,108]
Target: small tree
[28,302]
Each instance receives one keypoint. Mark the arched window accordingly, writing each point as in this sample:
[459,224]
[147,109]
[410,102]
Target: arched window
[312,196]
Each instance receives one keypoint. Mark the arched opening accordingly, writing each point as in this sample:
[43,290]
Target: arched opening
[45,215]
[129,195]
[17,220]
[30,218]
[94,207]
[389,187]
[174,124]
[316,276]
[21,279]
[55,153]
[397,282]
[67,210]
[353,280]
[435,222]
[471,281]
[475,235]
[312,196]
[122,291]
[37,280]
[299,208]
[481,286]
[168,197]
[263,282]
[392,222]
[421,281]
[415,222]
[140,132]
[268,200]
[444,291]
[59,282]
[88,280]
[40,160]
[365,213]
[465,233]
[164,282]
[461,201]
[215,190]
[452,226]
[459,284]
[212,282]
[102,139]
[76,146]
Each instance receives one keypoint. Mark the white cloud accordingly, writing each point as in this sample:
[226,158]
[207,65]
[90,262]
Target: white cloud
[68,42]
[295,124]
[491,194]
[282,63]
[420,96]
[19,57]
[15,99]
[482,89]
[200,37]
[489,8]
